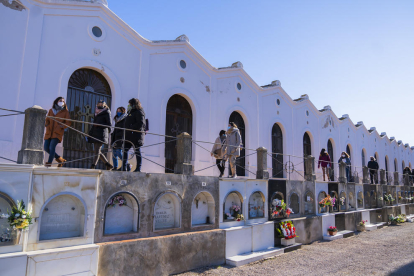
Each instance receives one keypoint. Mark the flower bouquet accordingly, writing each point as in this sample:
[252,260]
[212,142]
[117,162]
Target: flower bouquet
[398,219]
[287,232]
[342,201]
[239,217]
[278,207]
[117,199]
[327,201]
[235,209]
[332,230]
[361,226]
[388,198]
[19,219]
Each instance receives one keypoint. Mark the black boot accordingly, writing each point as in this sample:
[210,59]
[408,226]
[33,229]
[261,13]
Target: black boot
[109,167]
[93,166]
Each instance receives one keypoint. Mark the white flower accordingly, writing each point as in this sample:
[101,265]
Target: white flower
[24,216]
[17,215]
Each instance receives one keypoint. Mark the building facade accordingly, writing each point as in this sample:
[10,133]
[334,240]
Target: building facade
[82,51]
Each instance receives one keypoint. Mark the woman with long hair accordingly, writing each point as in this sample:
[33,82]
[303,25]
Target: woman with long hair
[347,160]
[55,128]
[117,136]
[100,133]
[325,162]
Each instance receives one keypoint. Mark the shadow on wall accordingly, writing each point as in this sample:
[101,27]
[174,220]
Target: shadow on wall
[404,270]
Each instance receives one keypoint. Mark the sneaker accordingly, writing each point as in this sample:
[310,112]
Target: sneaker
[234,176]
[221,175]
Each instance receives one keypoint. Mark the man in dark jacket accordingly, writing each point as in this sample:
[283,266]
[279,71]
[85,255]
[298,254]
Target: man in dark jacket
[373,169]
[134,121]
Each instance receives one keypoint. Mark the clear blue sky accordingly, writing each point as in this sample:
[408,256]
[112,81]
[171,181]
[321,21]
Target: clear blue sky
[356,56]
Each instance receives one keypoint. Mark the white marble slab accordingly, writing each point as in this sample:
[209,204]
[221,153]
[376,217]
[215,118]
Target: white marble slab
[13,264]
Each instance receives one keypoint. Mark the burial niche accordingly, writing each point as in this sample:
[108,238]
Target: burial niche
[294,203]
[351,203]
[203,209]
[321,196]
[373,199]
[62,217]
[279,196]
[6,204]
[232,206]
[342,201]
[334,194]
[167,212]
[309,203]
[367,200]
[121,214]
[360,200]
[256,205]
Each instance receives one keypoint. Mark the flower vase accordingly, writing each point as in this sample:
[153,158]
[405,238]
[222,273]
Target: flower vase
[331,233]
[361,228]
[17,239]
[287,242]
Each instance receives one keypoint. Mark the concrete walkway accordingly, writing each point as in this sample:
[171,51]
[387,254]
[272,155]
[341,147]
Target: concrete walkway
[387,251]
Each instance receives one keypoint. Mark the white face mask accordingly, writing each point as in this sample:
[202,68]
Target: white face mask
[61,104]
[343,155]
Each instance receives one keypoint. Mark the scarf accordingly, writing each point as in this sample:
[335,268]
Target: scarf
[118,119]
[97,110]
[56,109]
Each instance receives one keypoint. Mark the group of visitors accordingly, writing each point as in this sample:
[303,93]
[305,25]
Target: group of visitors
[326,164]
[131,120]
[227,147]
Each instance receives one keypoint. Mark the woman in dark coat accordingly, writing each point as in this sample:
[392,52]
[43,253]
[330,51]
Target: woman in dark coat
[134,121]
[117,135]
[101,133]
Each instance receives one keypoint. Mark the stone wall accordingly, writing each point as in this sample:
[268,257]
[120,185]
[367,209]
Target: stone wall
[162,255]
[308,229]
[146,190]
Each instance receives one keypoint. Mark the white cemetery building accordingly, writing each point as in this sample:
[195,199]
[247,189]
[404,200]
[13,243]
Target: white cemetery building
[82,51]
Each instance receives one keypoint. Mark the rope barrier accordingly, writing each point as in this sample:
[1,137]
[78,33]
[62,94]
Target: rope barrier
[8,159]
[11,114]
[11,110]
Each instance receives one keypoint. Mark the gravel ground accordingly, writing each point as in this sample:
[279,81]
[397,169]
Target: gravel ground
[387,251]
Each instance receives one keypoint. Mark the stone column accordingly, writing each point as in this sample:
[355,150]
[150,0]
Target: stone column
[406,180]
[262,172]
[32,140]
[184,145]
[310,168]
[396,178]
[342,173]
[382,177]
[365,175]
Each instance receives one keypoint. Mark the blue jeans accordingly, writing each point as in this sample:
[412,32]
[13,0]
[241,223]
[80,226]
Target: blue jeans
[137,156]
[116,153]
[50,147]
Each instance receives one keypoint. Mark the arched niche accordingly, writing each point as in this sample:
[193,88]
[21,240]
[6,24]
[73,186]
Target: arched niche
[367,200]
[233,199]
[360,200]
[309,203]
[279,196]
[394,195]
[121,214]
[373,197]
[321,196]
[62,216]
[399,196]
[406,195]
[342,201]
[351,202]
[167,211]
[334,194]
[294,203]
[6,204]
[256,205]
[203,209]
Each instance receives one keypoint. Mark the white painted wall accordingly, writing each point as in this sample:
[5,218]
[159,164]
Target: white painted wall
[47,42]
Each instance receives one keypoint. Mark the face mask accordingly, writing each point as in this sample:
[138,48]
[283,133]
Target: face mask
[343,155]
[100,107]
[129,108]
[228,128]
[61,104]
[119,114]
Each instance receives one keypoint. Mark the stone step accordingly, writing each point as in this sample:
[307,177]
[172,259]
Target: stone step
[332,238]
[380,225]
[370,227]
[292,247]
[250,257]
[347,233]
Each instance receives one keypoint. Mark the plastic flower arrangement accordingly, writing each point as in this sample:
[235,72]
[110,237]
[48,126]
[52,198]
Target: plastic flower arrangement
[333,229]
[362,223]
[19,218]
[388,198]
[380,198]
[117,199]
[278,207]
[327,201]
[286,230]
[289,211]
[342,200]
[235,210]
[239,217]
[397,219]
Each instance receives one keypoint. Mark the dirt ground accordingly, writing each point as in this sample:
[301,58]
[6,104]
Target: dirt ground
[387,251]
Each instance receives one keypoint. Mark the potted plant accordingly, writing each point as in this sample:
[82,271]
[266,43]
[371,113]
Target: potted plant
[332,230]
[287,233]
[19,219]
[361,226]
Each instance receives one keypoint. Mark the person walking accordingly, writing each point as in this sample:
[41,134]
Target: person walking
[233,144]
[373,169]
[55,128]
[100,133]
[219,150]
[407,173]
[325,162]
[347,160]
[135,120]
[117,136]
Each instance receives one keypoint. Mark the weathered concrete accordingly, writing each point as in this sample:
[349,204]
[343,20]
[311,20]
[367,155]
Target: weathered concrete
[352,219]
[162,255]
[308,229]
[310,168]
[262,172]
[32,140]
[146,188]
[184,146]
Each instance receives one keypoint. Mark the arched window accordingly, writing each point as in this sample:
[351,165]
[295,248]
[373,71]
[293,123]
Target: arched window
[307,148]
[121,214]
[395,165]
[236,118]
[85,88]
[331,155]
[179,119]
[386,167]
[363,158]
[403,165]
[203,209]
[277,150]
[256,205]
